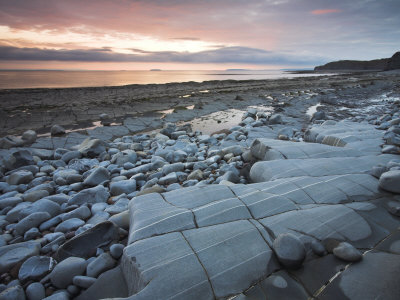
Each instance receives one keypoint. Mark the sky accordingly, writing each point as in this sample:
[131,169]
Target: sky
[194,34]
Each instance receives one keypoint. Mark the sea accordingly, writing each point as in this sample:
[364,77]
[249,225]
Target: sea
[22,79]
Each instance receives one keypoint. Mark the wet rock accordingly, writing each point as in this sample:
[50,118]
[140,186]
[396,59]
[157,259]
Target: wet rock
[31,234]
[93,195]
[123,186]
[35,268]
[196,175]
[11,141]
[85,244]
[168,179]
[20,177]
[57,130]
[390,181]
[289,250]
[65,271]
[347,252]
[99,265]
[176,167]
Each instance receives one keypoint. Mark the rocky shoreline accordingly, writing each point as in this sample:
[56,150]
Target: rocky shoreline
[299,199]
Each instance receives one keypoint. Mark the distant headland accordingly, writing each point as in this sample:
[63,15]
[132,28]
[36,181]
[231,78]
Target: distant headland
[384,64]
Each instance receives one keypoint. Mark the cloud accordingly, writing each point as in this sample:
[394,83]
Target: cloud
[243,55]
[324,11]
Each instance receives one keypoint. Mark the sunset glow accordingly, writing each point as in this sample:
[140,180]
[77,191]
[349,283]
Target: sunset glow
[181,34]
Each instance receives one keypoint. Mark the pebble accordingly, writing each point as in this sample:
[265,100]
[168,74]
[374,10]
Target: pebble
[101,264]
[116,250]
[13,293]
[69,225]
[347,252]
[390,181]
[83,281]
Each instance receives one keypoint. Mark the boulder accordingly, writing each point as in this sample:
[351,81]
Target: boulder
[33,220]
[390,181]
[85,244]
[65,271]
[99,265]
[18,159]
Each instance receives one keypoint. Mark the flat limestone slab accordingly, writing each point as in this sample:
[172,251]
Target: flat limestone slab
[151,215]
[164,267]
[271,170]
[268,149]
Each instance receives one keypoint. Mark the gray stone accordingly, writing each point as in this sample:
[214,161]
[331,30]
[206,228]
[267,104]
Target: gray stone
[13,293]
[9,201]
[35,268]
[20,177]
[70,155]
[93,195]
[176,167]
[11,255]
[82,213]
[275,119]
[289,250]
[35,291]
[101,264]
[92,147]
[33,220]
[116,250]
[168,179]
[69,225]
[35,195]
[32,234]
[29,137]
[98,176]
[123,157]
[42,205]
[347,252]
[83,281]
[318,248]
[85,244]
[57,130]
[390,181]
[65,271]
[123,186]
[18,159]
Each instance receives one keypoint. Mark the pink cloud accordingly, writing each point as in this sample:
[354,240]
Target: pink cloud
[325,11]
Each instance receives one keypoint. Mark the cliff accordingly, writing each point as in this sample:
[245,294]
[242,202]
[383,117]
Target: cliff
[356,65]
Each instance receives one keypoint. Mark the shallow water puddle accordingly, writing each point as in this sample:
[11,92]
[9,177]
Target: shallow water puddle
[313,109]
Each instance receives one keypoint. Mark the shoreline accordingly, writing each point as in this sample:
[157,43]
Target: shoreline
[39,109]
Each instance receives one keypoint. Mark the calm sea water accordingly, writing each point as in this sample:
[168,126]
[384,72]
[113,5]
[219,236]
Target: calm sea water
[63,79]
